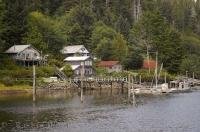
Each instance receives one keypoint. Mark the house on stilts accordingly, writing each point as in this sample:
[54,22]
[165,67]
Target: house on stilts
[25,55]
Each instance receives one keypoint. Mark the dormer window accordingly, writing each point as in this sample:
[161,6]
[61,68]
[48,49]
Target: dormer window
[82,49]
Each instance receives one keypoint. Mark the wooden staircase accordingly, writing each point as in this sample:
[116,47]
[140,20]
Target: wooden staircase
[60,74]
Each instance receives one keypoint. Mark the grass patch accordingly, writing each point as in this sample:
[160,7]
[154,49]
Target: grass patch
[15,87]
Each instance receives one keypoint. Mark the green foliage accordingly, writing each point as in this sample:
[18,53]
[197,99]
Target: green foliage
[149,77]
[45,71]
[133,61]
[191,64]
[171,27]
[55,62]
[78,25]
[8,81]
[7,63]
[153,33]
[104,49]
[101,72]
[68,70]
[2,25]
[102,32]
[43,33]
[119,48]
[191,43]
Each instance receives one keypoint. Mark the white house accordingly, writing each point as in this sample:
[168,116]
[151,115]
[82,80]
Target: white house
[75,50]
[79,63]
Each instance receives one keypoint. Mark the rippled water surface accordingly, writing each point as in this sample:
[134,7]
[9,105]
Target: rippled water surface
[100,111]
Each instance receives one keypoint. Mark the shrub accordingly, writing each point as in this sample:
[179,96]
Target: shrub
[68,70]
[54,62]
[8,81]
[44,71]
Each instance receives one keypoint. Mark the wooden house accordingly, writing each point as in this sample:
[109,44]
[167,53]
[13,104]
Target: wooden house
[75,50]
[79,63]
[111,66]
[25,55]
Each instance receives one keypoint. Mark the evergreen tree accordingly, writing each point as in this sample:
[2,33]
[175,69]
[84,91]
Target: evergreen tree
[2,27]
[152,33]
[14,21]
[119,48]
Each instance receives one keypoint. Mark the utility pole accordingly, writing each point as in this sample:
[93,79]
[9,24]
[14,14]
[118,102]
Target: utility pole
[34,88]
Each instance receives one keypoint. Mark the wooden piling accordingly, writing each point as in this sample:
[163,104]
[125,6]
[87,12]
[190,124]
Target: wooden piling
[129,85]
[34,88]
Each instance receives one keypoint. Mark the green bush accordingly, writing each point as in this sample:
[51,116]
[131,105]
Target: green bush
[68,70]
[54,62]
[8,81]
[44,71]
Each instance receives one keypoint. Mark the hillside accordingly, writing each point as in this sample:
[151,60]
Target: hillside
[111,29]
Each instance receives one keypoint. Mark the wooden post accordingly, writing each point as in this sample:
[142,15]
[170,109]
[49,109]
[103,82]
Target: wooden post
[34,88]
[193,76]
[129,85]
[81,95]
[82,74]
[140,80]
[156,70]
[186,72]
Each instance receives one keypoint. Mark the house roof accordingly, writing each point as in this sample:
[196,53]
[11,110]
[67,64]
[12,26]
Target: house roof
[108,63]
[74,67]
[17,48]
[77,58]
[149,64]
[74,49]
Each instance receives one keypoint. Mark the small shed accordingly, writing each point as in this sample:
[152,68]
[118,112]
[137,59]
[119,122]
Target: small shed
[111,66]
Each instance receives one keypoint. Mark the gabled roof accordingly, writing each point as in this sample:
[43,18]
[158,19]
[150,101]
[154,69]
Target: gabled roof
[17,48]
[108,63]
[77,58]
[74,49]
[74,67]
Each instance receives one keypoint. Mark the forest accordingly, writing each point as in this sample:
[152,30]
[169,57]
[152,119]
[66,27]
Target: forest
[121,30]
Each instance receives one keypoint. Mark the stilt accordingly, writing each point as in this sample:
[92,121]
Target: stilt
[122,86]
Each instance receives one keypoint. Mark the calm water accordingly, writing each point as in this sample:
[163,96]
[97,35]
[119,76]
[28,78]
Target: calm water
[105,111]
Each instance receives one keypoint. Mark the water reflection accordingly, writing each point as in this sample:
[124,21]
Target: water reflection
[99,110]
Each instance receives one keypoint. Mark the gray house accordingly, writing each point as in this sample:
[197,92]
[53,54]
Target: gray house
[79,63]
[75,50]
[25,55]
